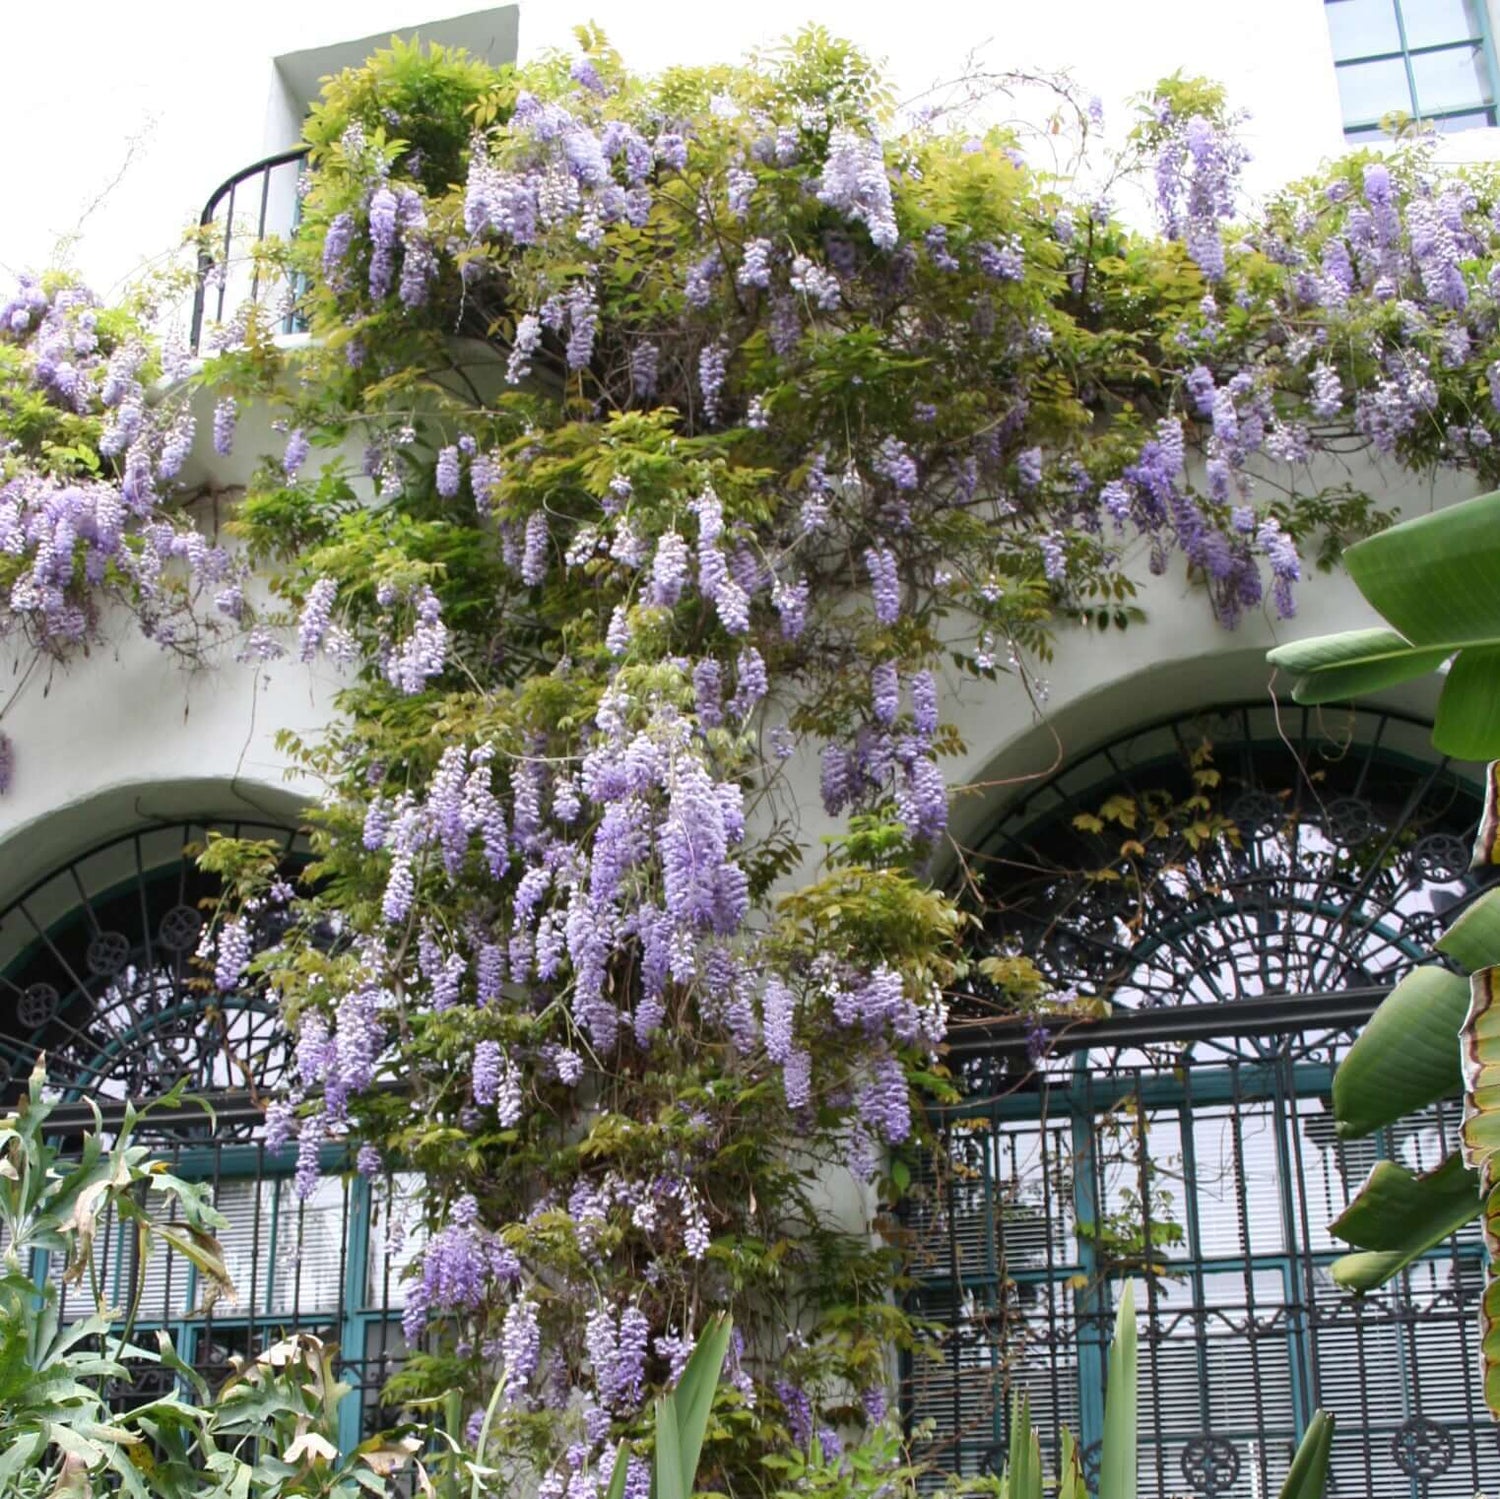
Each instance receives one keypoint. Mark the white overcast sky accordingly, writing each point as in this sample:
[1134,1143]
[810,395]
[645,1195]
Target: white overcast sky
[139,107]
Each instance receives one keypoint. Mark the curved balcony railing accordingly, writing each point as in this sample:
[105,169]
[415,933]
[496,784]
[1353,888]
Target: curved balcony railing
[258,199]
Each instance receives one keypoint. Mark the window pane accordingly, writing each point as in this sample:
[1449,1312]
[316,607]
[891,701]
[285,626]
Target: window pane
[1455,79]
[397,1235]
[1369,90]
[246,1242]
[1476,119]
[1364,28]
[1431,23]
[1369,133]
[309,1248]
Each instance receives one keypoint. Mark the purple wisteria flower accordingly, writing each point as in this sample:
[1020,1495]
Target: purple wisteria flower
[885,583]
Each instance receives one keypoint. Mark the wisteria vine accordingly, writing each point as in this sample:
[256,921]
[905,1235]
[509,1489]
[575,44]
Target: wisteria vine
[785,426]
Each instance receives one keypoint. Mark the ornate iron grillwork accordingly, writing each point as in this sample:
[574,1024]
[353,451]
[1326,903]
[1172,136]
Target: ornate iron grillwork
[97,970]
[1240,925]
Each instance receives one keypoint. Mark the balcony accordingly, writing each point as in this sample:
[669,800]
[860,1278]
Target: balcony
[258,200]
[262,199]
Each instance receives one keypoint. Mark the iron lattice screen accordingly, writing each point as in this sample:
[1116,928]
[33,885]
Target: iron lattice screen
[1212,1187]
[1237,891]
[330,1264]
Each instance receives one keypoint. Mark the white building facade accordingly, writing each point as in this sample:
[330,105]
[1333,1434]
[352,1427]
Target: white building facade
[1209,1123]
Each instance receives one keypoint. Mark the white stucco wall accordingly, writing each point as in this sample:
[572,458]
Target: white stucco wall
[179,95]
[126,733]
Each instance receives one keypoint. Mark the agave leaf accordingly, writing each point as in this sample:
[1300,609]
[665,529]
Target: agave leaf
[1406,1057]
[1070,1480]
[667,1480]
[617,1474]
[1117,1462]
[1308,1476]
[1024,1473]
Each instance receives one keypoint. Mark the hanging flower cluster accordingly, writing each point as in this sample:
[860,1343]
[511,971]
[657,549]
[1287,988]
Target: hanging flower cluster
[778,429]
[90,458]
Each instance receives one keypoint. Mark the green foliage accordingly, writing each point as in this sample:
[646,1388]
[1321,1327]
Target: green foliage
[264,1433]
[1433,579]
[1399,1215]
[1406,1057]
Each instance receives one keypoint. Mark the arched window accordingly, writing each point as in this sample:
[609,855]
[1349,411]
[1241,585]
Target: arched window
[98,973]
[1233,894]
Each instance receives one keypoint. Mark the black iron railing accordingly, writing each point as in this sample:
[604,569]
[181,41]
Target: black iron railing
[269,187]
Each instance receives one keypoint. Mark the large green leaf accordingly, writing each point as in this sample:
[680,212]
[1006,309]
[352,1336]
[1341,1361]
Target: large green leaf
[1395,1206]
[1117,1460]
[693,1399]
[1406,1057]
[1467,725]
[1308,1475]
[1399,1216]
[618,1473]
[1353,663]
[1367,1269]
[1473,941]
[667,1480]
[1433,578]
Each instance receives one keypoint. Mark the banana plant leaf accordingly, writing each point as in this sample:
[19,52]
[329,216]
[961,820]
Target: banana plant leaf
[1479,1135]
[1489,1306]
[1479,1139]
[1433,581]
[1397,1215]
[1473,941]
[1406,1057]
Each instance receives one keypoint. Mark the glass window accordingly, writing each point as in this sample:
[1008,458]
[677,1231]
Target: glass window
[1455,78]
[1368,90]
[1436,23]
[1429,59]
[1363,28]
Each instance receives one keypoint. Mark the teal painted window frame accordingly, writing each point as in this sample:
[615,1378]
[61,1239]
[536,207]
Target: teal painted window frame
[1362,129]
